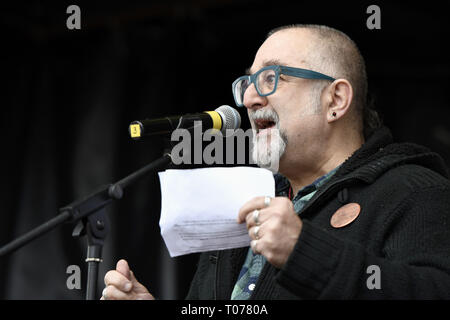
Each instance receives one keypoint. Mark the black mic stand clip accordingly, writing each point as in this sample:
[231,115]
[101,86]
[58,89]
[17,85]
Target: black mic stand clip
[93,223]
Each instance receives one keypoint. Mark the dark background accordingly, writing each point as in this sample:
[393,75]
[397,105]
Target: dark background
[69,95]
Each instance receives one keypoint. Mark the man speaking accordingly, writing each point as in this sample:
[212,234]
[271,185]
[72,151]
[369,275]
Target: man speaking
[350,202]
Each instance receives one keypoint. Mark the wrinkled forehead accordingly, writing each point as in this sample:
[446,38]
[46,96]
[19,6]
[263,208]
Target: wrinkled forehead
[287,47]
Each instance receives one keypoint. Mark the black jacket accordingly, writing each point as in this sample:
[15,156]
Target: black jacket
[403,229]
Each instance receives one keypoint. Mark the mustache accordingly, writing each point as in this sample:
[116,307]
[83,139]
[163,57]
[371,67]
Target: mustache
[265,114]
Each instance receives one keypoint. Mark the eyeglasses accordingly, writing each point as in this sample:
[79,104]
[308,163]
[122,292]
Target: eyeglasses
[266,80]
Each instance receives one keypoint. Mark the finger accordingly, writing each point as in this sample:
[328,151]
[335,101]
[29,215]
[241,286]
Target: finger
[123,268]
[267,201]
[249,206]
[253,245]
[115,278]
[255,233]
[263,215]
[113,293]
[133,279]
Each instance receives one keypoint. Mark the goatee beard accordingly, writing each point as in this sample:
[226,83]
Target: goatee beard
[268,148]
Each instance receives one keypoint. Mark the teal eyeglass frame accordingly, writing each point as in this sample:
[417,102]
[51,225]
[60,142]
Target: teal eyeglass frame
[289,71]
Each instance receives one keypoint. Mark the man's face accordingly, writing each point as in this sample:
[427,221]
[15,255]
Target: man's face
[294,109]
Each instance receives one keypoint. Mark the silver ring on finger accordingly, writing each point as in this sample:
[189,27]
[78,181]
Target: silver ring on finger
[256,217]
[104,294]
[253,246]
[255,232]
[267,200]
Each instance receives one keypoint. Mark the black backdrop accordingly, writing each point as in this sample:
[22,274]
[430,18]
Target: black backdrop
[69,95]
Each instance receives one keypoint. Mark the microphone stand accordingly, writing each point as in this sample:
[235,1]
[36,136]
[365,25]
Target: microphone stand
[90,214]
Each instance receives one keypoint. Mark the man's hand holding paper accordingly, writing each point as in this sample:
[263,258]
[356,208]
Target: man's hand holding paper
[199,207]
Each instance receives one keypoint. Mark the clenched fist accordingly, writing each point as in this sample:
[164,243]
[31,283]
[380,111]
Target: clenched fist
[122,285]
[273,226]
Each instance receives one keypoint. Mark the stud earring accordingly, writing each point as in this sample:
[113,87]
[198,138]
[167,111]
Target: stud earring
[334,114]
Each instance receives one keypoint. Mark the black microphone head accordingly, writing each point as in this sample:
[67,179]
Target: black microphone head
[231,118]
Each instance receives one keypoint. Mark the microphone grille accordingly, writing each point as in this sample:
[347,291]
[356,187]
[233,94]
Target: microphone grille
[231,118]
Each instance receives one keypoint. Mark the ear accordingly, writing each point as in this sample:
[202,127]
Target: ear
[339,97]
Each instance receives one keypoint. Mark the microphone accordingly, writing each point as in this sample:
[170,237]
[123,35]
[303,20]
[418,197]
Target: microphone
[223,118]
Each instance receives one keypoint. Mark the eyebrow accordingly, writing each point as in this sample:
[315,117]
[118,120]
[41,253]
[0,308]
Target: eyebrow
[271,62]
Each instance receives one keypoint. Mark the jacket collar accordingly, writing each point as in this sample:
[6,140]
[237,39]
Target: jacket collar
[379,153]
[376,156]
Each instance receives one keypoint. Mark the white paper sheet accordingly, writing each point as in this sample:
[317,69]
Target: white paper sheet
[199,207]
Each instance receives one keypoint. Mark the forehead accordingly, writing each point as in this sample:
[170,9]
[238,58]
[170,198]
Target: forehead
[286,47]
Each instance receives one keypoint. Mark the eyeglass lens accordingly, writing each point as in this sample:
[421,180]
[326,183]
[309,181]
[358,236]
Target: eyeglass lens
[265,84]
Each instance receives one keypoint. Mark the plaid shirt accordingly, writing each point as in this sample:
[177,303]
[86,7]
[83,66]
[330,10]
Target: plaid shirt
[254,263]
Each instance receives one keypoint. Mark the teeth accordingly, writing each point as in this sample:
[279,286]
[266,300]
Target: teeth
[264,124]
[263,117]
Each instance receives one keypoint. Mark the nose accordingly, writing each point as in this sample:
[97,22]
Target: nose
[252,100]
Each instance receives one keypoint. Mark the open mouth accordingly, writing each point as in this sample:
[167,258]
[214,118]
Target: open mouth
[262,124]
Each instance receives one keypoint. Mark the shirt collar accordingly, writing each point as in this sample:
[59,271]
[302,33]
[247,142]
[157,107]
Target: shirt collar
[315,185]
[282,184]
